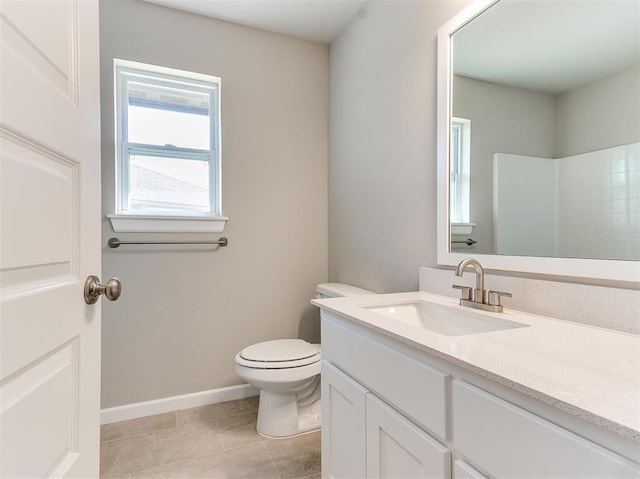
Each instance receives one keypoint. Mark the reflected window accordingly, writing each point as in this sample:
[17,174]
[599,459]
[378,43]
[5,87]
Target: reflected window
[460,169]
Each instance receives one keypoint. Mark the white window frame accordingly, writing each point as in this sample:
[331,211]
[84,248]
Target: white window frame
[125,220]
[460,178]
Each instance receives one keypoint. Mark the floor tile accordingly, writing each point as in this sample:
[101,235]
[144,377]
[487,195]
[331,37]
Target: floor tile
[296,457]
[250,462]
[108,457]
[118,430]
[217,411]
[239,430]
[159,447]
[213,442]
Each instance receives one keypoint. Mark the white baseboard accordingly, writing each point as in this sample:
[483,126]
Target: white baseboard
[175,403]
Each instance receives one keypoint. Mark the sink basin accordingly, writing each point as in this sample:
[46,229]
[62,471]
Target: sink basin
[442,319]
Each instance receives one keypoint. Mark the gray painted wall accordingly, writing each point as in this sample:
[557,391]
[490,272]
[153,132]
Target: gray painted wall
[186,311]
[382,144]
[519,121]
[505,120]
[382,137]
[599,115]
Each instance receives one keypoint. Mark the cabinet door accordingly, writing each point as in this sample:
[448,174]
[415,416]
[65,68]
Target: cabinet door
[343,425]
[397,448]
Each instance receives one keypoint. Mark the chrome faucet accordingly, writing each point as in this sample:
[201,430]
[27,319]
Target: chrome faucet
[478,292]
[476,298]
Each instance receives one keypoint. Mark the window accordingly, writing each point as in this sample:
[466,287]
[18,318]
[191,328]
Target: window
[460,169]
[167,146]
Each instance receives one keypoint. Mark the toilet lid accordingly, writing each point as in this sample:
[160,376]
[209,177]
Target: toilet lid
[279,350]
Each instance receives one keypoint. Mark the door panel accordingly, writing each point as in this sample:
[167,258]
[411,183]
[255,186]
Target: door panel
[52,380]
[49,238]
[48,47]
[45,185]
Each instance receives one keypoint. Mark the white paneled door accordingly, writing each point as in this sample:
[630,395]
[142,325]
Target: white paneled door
[49,238]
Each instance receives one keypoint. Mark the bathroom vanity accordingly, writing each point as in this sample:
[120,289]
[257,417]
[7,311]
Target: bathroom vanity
[522,396]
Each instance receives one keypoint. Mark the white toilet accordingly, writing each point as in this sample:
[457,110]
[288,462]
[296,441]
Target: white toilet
[287,372]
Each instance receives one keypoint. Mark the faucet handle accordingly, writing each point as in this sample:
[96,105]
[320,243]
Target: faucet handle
[466,291]
[493,297]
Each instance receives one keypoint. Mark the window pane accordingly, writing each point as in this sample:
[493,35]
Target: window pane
[168,116]
[168,184]
[455,148]
[455,199]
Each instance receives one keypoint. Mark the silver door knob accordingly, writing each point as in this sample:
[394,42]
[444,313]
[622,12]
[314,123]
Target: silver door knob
[93,289]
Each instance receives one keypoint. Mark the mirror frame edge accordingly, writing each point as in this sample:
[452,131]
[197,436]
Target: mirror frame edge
[598,269]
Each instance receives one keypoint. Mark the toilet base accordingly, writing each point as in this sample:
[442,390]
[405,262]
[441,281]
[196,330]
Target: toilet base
[283,416]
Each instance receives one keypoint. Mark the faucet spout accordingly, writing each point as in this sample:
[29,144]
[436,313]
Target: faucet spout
[477,298]
[479,290]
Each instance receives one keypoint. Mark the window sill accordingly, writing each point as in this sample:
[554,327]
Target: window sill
[167,224]
[462,228]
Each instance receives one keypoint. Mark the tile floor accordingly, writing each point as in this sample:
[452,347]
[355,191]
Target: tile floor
[218,441]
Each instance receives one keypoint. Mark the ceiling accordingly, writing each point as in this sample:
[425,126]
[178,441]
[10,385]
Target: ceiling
[318,21]
[550,46]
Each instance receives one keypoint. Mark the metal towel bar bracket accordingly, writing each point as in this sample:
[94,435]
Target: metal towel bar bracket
[468,242]
[115,242]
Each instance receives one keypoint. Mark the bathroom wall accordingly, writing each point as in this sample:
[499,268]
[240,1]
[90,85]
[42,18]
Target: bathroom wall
[514,120]
[186,311]
[578,206]
[584,114]
[595,213]
[382,177]
[599,204]
[382,136]
[503,119]
[525,205]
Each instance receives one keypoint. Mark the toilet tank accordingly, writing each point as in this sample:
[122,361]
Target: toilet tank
[336,290]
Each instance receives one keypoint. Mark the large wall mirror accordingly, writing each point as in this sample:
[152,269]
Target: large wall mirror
[539,137]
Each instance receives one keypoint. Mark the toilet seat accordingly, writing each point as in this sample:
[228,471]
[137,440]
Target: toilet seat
[279,354]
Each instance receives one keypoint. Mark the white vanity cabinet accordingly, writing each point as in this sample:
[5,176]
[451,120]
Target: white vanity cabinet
[376,425]
[390,411]
[363,436]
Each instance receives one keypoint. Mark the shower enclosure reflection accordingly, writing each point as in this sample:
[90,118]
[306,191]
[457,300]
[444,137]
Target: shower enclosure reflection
[550,91]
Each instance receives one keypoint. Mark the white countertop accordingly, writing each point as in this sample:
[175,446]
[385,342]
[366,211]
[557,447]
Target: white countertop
[590,372]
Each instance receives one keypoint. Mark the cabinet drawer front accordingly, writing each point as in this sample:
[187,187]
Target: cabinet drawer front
[508,441]
[397,448]
[414,388]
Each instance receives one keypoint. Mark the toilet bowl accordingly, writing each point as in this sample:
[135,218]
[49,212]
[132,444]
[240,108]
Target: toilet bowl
[287,373]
